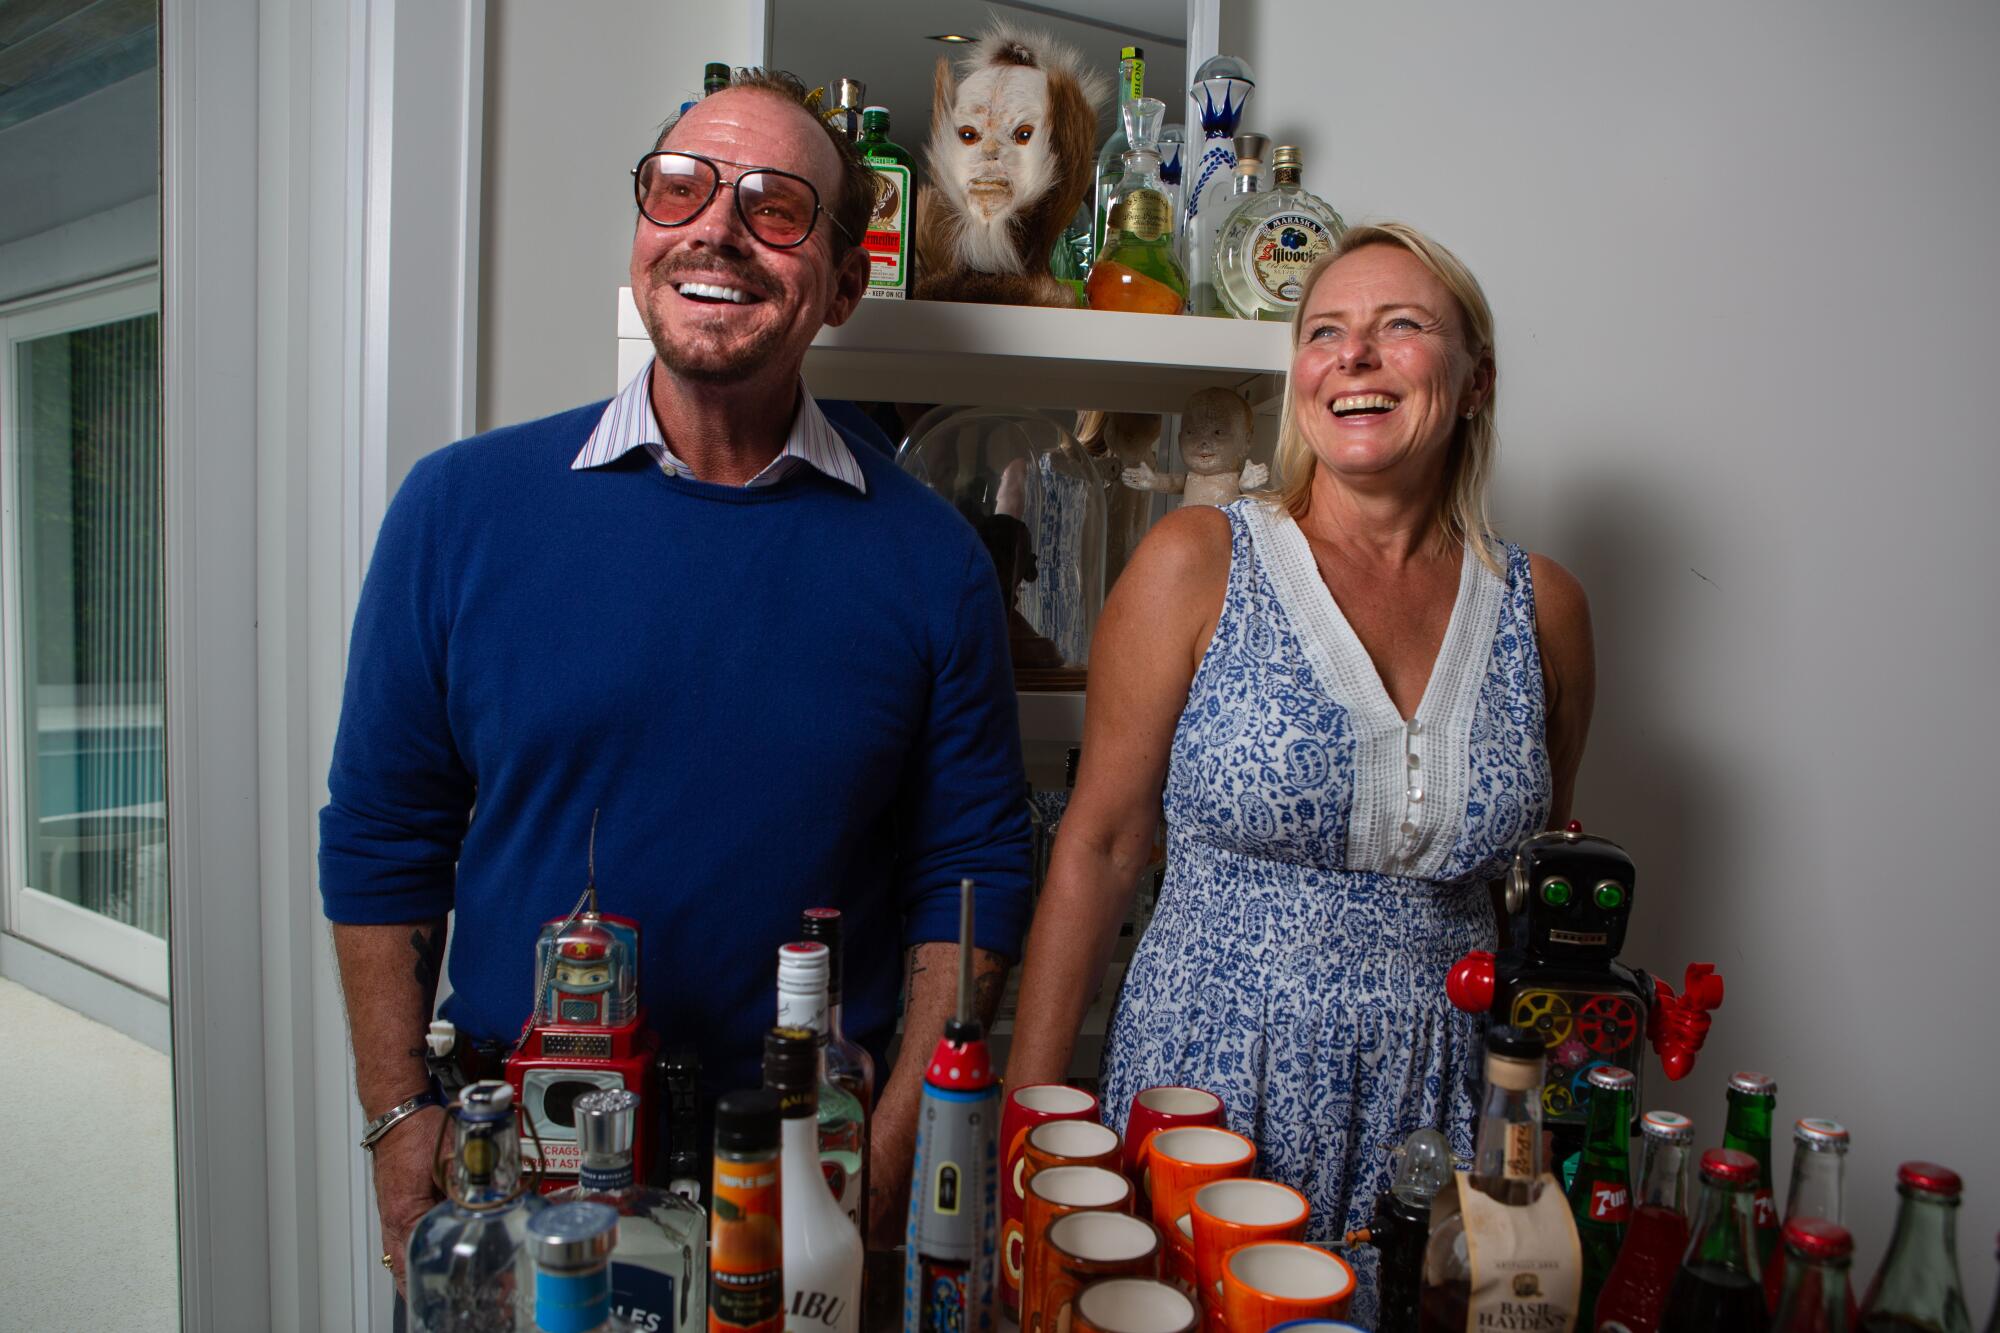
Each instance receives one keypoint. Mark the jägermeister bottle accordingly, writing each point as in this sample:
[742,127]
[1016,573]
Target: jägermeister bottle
[1751,1098]
[1137,269]
[1600,1194]
[888,235]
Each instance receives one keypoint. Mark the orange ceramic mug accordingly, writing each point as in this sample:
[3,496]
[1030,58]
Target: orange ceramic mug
[1058,1192]
[1270,1281]
[1180,1161]
[1026,1108]
[1133,1305]
[1180,1256]
[1164,1108]
[1083,1248]
[1230,1213]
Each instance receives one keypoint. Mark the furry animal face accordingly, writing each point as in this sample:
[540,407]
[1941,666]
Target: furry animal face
[995,151]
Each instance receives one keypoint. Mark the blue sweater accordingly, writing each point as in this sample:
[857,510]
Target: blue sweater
[779,698]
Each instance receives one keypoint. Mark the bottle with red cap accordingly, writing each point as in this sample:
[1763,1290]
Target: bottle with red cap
[1815,1298]
[1819,1177]
[1917,1287]
[1720,1286]
[1635,1292]
[1600,1194]
[1752,1098]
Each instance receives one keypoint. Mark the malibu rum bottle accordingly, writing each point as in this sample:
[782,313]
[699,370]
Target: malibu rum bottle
[822,1248]
[1137,268]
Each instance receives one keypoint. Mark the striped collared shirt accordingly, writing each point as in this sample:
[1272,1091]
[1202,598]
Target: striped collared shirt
[628,423]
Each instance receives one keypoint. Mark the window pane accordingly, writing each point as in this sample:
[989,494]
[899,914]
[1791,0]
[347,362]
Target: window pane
[88,424]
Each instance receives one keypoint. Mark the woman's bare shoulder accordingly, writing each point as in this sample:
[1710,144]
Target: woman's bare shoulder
[1561,606]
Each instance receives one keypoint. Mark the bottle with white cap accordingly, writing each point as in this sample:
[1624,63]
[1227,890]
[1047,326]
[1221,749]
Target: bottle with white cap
[659,1278]
[468,1260]
[804,969]
[572,1245]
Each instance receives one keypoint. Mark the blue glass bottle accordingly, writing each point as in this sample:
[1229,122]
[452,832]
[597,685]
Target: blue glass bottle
[469,1269]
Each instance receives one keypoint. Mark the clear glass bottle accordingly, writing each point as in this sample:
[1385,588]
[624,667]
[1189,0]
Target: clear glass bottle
[1917,1286]
[659,1280]
[823,1252]
[1993,1318]
[1600,1194]
[1137,269]
[1269,242]
[1245,178]
[1752,1097]
[469,1268]
[888,236]
[1815,1297]
[803,968]
[848,1064]
[1720,1285]
[1111,157]
[571,1244]
[1635,1291]
[687,1167]
[1819,1172]
[845,115]
[1222,88]
[1173,160]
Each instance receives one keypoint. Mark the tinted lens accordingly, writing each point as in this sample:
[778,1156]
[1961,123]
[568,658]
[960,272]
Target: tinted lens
[779,208]
[673,188]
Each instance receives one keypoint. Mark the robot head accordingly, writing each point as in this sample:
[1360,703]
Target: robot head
[1569,896]
[583,962]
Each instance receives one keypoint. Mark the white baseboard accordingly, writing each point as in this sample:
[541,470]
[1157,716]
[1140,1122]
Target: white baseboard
[100,998]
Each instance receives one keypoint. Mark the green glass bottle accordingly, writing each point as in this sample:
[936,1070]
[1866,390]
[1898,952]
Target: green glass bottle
[714,78]
[1751,1100]
[1600,1195]
[1137,268]
[888,235]
[1111,157]
[1917,1288]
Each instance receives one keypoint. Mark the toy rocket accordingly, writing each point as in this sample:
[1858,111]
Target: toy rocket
[949,1271]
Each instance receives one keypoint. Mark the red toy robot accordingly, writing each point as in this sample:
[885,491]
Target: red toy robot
[1569,898]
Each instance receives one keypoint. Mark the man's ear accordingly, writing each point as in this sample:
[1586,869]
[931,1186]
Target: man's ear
[850,283]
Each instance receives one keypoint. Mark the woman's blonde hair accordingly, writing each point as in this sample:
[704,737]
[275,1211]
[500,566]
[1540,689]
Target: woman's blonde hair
[1462,504]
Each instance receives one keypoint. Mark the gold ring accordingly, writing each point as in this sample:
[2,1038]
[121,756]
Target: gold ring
[387,1262]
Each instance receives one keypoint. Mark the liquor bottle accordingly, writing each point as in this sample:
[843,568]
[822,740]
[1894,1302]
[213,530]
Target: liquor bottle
[714,77]
[746,1238]
[468,1263]
[1269,242]
[1111,157]
[1600,1195]
[659,1279]
[1815,1297]
[1993,1319]
[1173,151]
[1222,87]
[1819,1170]
[1720,1286]
[687,1156]
[888,236]
[1917,1286]
[1510,1191]
[848,1064]
[1751,1097]
[572,1244]
[1421,1170]
[1245,178]
[1137,268]
[822,1247]
[802,1003]
[1635,1291]
[845,115]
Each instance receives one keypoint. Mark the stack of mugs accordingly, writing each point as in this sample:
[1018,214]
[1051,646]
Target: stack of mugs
[1164,1231]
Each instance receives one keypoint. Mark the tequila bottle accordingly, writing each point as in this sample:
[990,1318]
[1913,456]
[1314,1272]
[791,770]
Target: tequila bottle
[1137,269]
[659,1278]
[469,1267]
[802,1003]
[1270,241]
[572,1246]
[823,1253]
[1245,178]
[888,236]
[1173,147]
[1222,86]
[1111,157]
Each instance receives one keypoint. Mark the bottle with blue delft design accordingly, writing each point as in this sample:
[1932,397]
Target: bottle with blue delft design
[572,1244]
[1222,88]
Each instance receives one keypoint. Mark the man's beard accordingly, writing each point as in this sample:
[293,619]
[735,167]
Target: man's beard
[705,358]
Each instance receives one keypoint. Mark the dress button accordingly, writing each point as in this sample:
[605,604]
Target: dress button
[1416,728]
[1415,762]
[1416,795]
[1409,828]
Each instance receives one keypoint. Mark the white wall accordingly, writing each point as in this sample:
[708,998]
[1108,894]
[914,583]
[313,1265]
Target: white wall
[1742,266]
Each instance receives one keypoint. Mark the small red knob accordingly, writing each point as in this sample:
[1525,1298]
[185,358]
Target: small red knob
[1576,826]
[1469,984]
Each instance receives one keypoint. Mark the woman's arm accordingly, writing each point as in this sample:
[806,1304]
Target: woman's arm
[1569,674]
[1156,625]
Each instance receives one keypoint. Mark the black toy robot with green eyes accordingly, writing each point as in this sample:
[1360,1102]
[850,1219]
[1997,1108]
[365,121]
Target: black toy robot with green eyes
[1569,897]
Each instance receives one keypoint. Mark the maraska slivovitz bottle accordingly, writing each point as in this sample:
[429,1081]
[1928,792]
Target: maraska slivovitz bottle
[1815,1297]
[571,1244]
[1635,1291]
[803,969]
[1270,240]
[1720,1287]
[469,1267]
[659,1279]
[1918,1287]
[1137,269]
[1600,1195]
[1751,1099]
[1819,1170]
[823,1254]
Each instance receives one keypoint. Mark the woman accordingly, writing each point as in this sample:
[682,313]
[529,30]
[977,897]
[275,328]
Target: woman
[1356,701]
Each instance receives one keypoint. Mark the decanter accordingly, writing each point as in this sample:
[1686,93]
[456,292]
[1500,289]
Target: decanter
[1222,87]
[1205,234]
[470,1269]
[1271,240]
[1138,269]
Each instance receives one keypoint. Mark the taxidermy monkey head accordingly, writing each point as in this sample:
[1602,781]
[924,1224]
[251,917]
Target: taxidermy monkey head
[1011,156]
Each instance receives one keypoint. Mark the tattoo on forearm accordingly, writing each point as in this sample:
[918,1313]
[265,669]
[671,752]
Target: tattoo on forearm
[429,946]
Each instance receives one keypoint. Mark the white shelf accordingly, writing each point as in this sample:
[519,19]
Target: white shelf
[1026,356]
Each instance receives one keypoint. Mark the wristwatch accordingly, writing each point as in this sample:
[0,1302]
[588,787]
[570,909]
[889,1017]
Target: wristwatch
[372,1132]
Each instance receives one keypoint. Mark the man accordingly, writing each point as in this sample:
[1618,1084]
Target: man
[773,665]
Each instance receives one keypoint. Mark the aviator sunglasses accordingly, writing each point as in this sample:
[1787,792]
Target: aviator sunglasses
[777,207]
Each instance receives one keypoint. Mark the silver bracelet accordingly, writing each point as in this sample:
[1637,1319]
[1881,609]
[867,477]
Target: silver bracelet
[372,1132]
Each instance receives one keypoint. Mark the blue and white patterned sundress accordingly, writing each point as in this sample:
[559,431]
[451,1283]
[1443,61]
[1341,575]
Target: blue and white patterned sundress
[1326,864]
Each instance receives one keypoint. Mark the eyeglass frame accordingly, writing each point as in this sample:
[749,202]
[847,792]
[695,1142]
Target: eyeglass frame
[715,164]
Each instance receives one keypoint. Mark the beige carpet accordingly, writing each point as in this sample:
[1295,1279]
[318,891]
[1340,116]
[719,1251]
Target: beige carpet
[86,1174]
